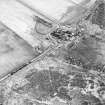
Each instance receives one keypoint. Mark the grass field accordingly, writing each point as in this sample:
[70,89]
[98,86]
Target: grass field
[14,51]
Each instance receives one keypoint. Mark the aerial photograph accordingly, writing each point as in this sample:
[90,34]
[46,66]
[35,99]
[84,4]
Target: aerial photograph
[52,52]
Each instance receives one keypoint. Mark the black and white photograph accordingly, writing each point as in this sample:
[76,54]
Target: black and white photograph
[52,52]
